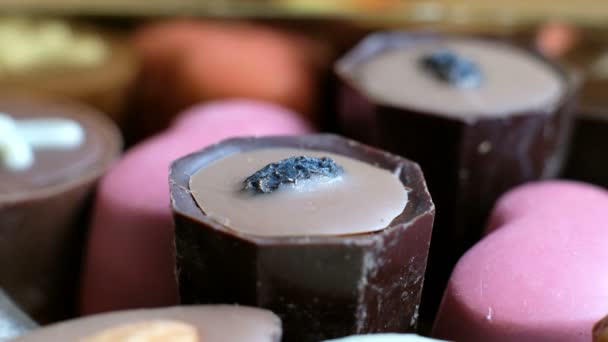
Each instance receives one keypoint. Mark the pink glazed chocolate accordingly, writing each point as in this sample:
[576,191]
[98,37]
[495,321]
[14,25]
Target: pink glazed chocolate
[130,261]
[538,275]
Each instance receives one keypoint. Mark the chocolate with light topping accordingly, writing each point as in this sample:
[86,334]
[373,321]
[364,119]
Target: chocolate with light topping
[321,285]
[41,207]
[473,144]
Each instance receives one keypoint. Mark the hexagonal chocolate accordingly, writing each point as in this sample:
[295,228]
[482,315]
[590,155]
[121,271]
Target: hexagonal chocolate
[321,286]
[469,157]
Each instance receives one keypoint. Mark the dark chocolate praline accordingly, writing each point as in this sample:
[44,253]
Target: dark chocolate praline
[468,161]
[320,286]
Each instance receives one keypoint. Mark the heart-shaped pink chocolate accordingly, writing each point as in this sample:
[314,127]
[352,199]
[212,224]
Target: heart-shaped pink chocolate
[541,273]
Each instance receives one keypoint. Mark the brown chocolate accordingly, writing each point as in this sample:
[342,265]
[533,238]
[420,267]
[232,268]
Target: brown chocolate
[41,208]
[468,160]
[320,286]
[587,155]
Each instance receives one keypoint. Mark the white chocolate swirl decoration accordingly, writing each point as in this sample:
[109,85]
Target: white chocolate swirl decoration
[20,138]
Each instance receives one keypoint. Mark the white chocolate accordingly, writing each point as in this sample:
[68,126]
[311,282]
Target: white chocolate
[19,139]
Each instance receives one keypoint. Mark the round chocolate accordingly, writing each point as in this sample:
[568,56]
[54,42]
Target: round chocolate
[41,208]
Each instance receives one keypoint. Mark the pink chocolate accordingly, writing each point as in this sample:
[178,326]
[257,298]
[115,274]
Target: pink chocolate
[540,274]
[129,261]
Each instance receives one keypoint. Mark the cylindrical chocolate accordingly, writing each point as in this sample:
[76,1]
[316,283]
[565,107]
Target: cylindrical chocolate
[13,321]
[321,286]
[42,206]
[61,58]
[469,158]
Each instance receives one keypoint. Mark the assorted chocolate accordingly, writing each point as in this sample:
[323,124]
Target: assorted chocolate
[329,238]
[347,277]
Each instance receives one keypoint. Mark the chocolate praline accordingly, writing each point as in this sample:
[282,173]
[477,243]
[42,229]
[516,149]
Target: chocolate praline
[212,323]
[320,286]
[469,158]
[600,330]
[42,208]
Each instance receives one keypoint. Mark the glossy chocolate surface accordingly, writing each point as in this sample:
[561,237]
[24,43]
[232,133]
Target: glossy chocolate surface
[41,209]
[320,286]
[468,162]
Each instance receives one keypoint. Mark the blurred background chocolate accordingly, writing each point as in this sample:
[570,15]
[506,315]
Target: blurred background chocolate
[13,321]
[185,62]
[142,61]
[64,58]
[53,152]
[479,115]
[317,269]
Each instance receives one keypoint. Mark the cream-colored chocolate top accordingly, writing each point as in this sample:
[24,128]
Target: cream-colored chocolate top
[364,199]
[214,323]
[513,81]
